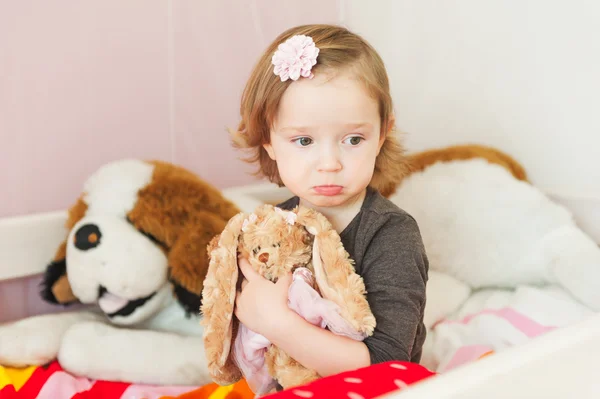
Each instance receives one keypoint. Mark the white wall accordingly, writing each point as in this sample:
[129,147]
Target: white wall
[523,76]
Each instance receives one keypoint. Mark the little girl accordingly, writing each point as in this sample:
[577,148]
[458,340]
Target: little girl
[317,116]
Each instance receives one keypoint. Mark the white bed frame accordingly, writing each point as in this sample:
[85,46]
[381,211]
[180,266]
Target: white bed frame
[561,364]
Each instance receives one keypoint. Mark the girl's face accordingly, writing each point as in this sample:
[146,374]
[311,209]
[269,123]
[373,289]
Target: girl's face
[325,139]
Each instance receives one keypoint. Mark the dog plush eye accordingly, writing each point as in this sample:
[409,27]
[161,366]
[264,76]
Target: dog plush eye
[255,250]
[87,237]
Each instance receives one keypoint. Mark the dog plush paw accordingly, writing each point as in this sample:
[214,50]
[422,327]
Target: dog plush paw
[36,340]
[29,342]
[104,352]
[81,343]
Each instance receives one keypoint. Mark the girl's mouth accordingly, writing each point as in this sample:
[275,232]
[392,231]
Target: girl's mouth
[329,190]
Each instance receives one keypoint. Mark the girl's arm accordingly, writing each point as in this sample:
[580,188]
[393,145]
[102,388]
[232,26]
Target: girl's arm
[262,307]
[318,349]
[395,269]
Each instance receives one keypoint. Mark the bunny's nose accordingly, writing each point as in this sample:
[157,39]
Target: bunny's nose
[264,257]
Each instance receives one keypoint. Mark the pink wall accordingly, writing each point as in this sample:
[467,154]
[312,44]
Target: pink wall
[84,83]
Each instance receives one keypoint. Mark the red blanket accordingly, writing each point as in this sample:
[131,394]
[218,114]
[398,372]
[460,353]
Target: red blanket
[367,383]
[53,382]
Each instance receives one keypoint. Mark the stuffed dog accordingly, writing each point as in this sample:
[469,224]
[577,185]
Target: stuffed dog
[135,257]
[276,242]
[503,256]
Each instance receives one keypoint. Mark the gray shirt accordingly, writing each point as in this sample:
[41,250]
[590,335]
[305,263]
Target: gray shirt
[385,243]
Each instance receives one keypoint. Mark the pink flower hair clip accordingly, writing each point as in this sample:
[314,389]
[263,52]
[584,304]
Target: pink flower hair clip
[295,57]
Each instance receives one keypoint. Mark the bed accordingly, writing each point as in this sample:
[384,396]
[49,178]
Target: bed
[556,365]
[559,364]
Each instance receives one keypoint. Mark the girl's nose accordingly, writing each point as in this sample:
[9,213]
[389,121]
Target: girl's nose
[329,160]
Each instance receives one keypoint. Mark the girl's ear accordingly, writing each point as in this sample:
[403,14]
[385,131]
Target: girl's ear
[269,149]
[334,272]
[391,124]
[218,301]
[385,132]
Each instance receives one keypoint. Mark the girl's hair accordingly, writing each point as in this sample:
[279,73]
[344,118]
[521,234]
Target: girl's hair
[338,48]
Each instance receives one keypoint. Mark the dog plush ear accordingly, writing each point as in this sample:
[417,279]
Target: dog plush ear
[189,260]
[218,302]
[55,287]
[335,275]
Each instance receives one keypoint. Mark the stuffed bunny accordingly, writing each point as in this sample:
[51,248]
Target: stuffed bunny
[277,242]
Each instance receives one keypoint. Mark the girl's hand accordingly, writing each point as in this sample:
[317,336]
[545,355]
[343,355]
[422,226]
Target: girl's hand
[262,305]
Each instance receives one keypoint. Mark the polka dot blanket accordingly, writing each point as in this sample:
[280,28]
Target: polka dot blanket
[367,383]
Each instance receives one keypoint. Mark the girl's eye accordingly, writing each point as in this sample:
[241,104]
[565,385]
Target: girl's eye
[355,140]
[304,141]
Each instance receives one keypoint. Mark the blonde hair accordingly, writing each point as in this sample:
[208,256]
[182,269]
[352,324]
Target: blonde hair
[338,48]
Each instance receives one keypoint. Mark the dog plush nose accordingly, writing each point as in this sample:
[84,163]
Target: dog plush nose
[264,257]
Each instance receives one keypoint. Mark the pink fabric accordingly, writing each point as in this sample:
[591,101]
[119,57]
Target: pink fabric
[249,347]
[63,385]
[516,320]
[155,391]
[526,325]
[467,354]
[249,351]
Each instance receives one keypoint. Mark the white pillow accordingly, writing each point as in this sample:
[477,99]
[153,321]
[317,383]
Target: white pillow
[488,229]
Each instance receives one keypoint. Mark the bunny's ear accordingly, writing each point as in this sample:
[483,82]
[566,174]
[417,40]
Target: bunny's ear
[218,301]
[334,272]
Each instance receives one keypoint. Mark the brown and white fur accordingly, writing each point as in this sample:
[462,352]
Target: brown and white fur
[135,257]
